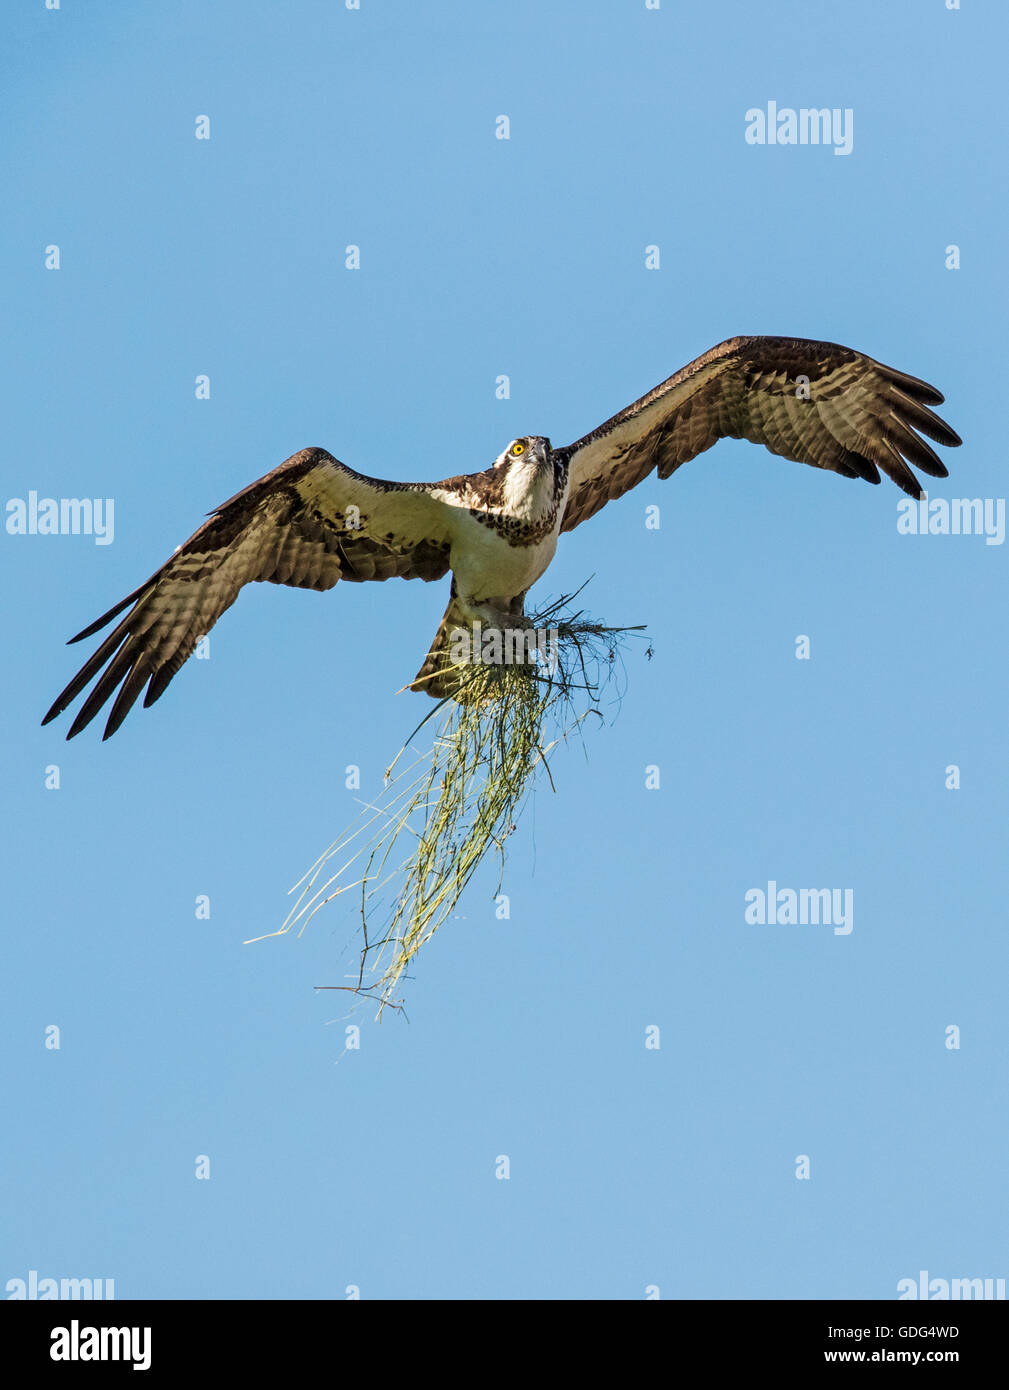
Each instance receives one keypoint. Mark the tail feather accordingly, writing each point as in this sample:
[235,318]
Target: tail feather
[444,670]
[439,676]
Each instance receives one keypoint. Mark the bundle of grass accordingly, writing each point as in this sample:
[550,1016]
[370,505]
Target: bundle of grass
[440,816]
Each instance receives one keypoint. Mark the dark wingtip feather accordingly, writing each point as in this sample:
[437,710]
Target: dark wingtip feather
[128,693]
[110,727]
[915,414]
[106,618]
[913,386]
[913,447]
[939,431]
[906,481]
[78,725]
[861,466]
[159,682]
[922,392]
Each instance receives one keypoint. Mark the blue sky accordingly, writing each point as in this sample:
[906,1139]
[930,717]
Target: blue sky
[630,1167]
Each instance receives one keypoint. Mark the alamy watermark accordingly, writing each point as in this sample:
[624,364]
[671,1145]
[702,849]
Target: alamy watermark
[809,125]
[953,516]
[956,1290]
[802,907]
[62,516]
[35,1288]
[507,646]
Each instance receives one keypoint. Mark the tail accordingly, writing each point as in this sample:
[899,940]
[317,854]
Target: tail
[440,677]
[445,668]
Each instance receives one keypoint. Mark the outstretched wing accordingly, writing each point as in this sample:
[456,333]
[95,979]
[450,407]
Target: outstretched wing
[308,523]
[818,403]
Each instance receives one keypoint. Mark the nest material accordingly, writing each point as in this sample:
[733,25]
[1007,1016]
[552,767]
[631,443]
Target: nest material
[441,815]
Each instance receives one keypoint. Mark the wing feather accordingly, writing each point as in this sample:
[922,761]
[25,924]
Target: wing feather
[817,403]
[308,524]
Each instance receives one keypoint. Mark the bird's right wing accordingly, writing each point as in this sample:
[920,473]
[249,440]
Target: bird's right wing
[308,523]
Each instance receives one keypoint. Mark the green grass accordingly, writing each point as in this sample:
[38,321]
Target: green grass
[456,803]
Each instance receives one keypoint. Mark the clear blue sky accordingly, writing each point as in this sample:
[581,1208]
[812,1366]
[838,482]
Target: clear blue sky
[629,1167]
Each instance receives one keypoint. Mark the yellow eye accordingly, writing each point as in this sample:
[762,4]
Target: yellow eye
[518,449]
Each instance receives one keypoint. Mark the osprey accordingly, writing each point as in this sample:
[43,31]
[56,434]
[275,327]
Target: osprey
[312,521]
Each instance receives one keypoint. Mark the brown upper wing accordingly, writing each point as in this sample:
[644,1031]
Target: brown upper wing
[818,403]
[308,523]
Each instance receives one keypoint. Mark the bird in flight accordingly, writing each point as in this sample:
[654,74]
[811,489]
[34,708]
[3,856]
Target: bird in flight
[313,521]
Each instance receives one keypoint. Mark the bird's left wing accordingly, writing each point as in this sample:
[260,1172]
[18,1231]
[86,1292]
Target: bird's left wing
[308,523]
[818,403]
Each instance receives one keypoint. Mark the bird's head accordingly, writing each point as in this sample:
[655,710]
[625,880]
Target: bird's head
[527,464]
[525,455]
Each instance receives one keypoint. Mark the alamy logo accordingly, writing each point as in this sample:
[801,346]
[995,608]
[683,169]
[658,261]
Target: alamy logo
[510,646]
[957,1290]
[807,126]
[62,516]
[953,516]
[76,1343]
[803,907]
[35,1288]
